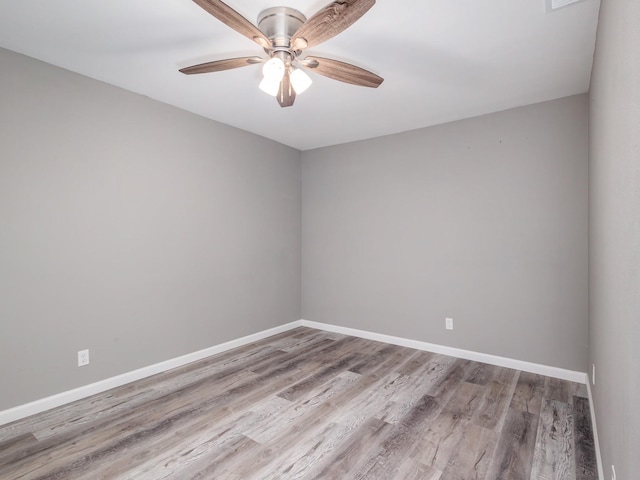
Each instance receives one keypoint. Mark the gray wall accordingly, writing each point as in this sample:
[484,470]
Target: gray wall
[482,220]
[143,232]
[614,235]
[133,229]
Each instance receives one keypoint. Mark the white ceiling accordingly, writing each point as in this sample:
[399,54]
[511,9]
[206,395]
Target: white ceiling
[442,60]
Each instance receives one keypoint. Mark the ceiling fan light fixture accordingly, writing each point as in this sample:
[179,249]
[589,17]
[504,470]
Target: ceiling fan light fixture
[273,69]
[284,33]
[270,86]
[300,81]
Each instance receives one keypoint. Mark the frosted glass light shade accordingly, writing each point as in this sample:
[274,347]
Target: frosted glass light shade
[300,81]
[270,86]
[273,69]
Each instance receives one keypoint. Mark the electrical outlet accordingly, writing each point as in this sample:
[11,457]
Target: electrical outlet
[83,358]
[613,472]
[593,374]
[448,322]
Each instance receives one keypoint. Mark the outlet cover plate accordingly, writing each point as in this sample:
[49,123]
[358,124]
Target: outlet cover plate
[83,358]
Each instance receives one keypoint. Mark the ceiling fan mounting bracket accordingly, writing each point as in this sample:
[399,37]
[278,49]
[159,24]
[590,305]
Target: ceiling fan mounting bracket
[279,24]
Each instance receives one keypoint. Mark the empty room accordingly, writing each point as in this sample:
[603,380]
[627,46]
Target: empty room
[320,240]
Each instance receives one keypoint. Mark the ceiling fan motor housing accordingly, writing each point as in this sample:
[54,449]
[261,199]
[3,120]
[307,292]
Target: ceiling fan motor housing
[279,24]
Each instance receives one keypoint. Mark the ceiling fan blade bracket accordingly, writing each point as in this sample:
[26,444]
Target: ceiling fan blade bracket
[308,63]
[299,44]
[262,42]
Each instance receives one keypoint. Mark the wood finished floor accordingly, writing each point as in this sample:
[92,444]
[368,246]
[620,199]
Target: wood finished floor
[310,404]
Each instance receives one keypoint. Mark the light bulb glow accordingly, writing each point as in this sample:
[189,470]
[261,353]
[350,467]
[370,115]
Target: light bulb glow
[270,86]
[300,81]
[273,69]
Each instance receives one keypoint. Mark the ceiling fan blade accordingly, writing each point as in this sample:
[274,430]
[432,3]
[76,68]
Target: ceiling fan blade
[344,72]
[286,93]
[233,19]
[329,22]
[220,65]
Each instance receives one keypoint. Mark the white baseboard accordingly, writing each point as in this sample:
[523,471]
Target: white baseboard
[561,373]
[596,442]
[22,411]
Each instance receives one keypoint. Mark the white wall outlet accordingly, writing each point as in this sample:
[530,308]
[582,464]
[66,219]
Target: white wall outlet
[83,358]
[613,472]
[448,323]
[593,374]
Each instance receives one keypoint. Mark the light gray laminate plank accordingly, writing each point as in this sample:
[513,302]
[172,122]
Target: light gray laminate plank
[481,373]
[209,466]
[311,448]
[380,383]
[343,461]
[326,373]
[581,391]
[458,405]
[467,400]
[528,393]
[450,379]
[560,390]
[419,360]
[384,459]
[585,451]
[224,416]
[70,417]
[324,351]
[70,451]
[439,441]
[343,413]
[554,456]
[265,420]
[334,420]
[270,426]
[355,409]
[13,448]
[512,457]
[200,454]
[393,360]
[472,455]
[409,470]
[496,399]
[415,386]
[382,355]
[295,339]
[212,394]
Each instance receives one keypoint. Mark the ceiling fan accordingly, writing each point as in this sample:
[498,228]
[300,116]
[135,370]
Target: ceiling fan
[284,33]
